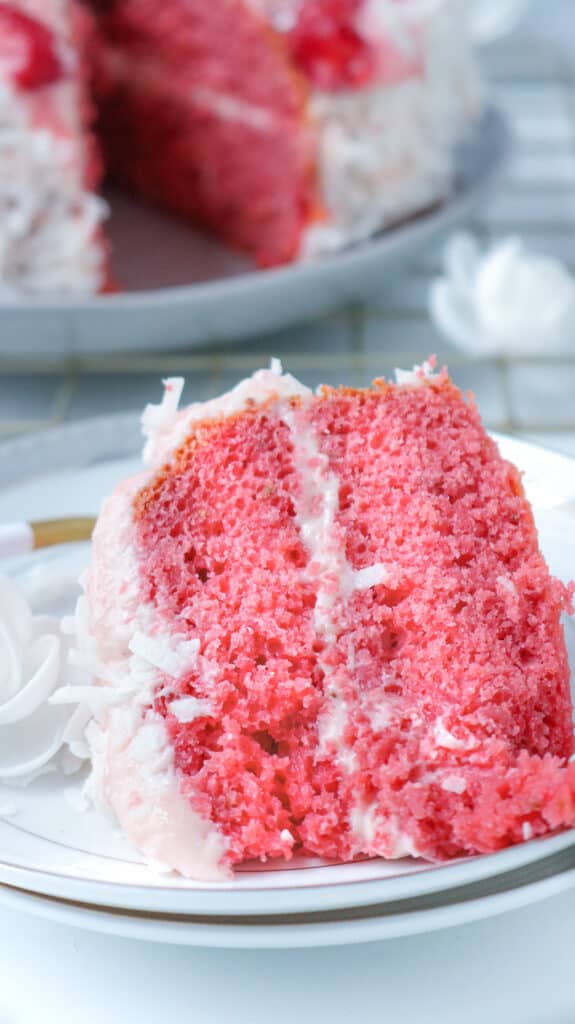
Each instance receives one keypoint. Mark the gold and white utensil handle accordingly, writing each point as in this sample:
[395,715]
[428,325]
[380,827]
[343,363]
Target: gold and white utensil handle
[21,537]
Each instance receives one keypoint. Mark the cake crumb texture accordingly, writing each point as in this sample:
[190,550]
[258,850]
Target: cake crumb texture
[386,676]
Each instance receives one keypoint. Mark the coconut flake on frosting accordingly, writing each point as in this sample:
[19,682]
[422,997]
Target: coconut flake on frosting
[188,709]
[173,655]
[419,375]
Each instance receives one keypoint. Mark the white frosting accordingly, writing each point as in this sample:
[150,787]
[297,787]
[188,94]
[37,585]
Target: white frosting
[140,787]
[34,735]
[506,300]
[133,771]
[397,843]
[386,152]
[380,836]
[418,376]
[364,823]
[446,739]
[527,831]
[509,593]
[174,656]
[316,509]
[133,775]
[454,784]
[48,221]
[382,715]
[187,709]
[506,584]
[158,421]
[364,579]
[398,22]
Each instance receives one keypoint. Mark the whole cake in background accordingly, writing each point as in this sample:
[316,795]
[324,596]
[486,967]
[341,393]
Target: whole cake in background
[291,128]
[320,623]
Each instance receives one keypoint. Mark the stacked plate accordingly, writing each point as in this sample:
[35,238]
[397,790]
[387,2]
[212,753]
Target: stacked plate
[72,866]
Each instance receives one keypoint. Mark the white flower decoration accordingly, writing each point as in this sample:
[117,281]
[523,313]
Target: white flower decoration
[34,734]
[505,301]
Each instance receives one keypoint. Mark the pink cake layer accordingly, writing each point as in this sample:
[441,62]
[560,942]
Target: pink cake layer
[377,664]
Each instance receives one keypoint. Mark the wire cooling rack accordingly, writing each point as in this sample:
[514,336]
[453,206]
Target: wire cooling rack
[534,83]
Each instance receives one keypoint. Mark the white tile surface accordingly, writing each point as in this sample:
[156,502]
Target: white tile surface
[539,392]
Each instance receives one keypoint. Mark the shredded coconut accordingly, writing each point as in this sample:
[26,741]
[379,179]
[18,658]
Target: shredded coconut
[454,784]
[173,655]
[444,738]
[187,709]
[417,377]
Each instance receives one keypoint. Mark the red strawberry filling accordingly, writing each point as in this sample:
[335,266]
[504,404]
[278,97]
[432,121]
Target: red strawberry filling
[328,47]
[28,50]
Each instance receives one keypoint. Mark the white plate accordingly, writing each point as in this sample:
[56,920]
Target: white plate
[51,849]
[502,894]
[184,289]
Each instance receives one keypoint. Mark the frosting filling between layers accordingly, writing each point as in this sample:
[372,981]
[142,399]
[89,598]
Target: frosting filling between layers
[329,568]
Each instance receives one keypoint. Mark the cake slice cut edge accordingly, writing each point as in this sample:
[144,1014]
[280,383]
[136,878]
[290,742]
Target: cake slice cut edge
[321,623]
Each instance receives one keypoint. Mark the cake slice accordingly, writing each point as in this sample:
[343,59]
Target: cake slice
[289,127]
[321,623]
[50,233]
